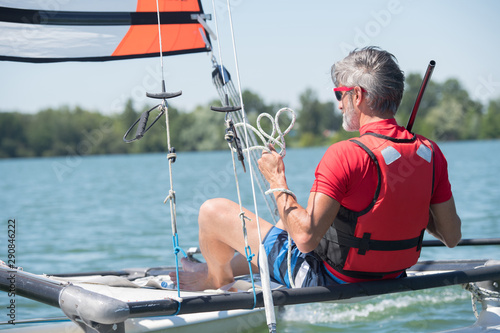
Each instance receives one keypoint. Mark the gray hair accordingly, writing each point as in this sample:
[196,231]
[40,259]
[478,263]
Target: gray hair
[377,72]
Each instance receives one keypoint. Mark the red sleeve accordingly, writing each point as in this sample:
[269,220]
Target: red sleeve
[331,176]
[346,174]
[442,187]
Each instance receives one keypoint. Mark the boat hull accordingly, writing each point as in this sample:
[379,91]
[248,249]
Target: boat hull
[217,321]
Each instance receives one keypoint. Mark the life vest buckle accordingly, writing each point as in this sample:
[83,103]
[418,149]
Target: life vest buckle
[364,243]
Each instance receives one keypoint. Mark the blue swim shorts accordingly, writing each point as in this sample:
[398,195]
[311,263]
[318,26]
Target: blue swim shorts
[308,269]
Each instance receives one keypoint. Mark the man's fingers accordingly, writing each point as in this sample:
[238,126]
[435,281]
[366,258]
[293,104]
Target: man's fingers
[271,147]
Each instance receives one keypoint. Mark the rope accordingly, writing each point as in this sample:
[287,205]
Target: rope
[248,252]
[177,249]
[289,251]
[230,138]
[284,190]
[159,39]
[218,44]
[171,156]
[237,116]
[479,294]
[266,285]
[277,137]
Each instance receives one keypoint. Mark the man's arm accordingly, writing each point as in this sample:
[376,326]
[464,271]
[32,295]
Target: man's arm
[444,223]
[306,226]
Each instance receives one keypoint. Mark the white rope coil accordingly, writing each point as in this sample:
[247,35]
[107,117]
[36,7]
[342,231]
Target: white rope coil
[277,137]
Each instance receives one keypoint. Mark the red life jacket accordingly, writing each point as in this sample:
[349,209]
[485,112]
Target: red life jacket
[385,237]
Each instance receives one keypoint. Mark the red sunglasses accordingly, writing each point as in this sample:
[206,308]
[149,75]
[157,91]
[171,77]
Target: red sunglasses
[338,91]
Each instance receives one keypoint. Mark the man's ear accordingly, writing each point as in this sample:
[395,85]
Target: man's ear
[359,95]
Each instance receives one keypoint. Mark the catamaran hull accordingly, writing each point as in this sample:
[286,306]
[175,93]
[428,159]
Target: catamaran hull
[146,305]
[223,321]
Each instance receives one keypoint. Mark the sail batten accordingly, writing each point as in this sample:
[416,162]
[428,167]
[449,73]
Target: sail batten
[26,16]
[41,36]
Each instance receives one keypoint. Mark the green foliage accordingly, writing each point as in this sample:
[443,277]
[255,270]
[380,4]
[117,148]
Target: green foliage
[446,113]
[316,121]
[202,129]
[430,100]
[13,140]
[491,121]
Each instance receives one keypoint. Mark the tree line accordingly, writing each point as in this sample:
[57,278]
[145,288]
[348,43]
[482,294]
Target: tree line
[447,112]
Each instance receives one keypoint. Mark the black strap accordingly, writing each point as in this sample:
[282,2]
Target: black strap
[379,176]
[385,137]
[366,243]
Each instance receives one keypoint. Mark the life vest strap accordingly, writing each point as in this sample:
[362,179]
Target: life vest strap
[365,243]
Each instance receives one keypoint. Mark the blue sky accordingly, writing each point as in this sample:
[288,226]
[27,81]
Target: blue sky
[283,47]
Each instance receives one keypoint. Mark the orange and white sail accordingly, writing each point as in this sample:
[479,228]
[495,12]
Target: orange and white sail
[90,30]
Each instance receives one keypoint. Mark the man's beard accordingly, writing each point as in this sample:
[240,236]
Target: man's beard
[350,118]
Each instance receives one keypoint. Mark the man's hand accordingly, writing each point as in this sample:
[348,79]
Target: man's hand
[306,225]
[272,167]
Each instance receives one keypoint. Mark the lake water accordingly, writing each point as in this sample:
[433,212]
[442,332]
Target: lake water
[77,214]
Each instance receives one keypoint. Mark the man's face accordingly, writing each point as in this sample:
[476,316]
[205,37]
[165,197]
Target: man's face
[351,117]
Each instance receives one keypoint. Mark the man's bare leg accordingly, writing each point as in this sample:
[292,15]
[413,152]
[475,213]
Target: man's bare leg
[198,271]
[239,265]
[220,235]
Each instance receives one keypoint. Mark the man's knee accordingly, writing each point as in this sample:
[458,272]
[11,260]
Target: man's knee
[211,210]
[211,206]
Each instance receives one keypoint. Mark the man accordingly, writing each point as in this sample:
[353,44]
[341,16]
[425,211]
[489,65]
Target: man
[371,201]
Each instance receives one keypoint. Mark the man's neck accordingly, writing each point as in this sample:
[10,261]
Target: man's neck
[369,117]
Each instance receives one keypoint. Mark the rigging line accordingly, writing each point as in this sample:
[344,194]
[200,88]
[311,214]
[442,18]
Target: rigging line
[233,101]
[225,100]
[248,252]
[219,47]
[171,156]
[159,40]
[265,279]
[242,111]
[261,182]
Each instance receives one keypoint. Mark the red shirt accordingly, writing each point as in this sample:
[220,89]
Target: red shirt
[347,174]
